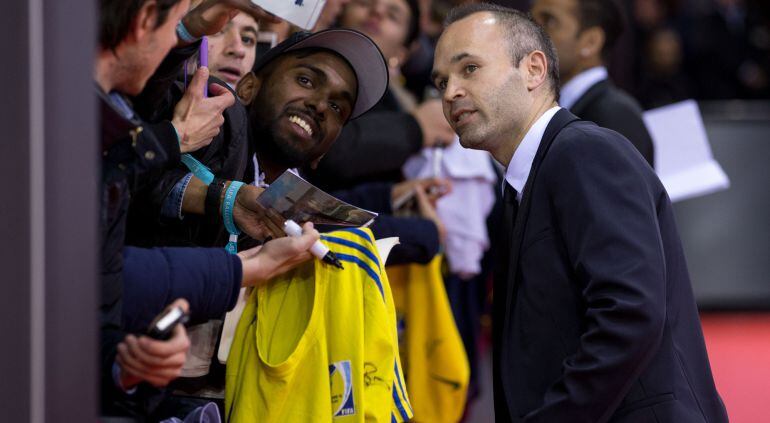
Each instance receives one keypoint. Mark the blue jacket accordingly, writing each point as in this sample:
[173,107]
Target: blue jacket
[208,278]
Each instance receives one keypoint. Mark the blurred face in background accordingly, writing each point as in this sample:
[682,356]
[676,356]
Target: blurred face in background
[329,14]
[384,21]
[232,51]
[150,45]
[560,20]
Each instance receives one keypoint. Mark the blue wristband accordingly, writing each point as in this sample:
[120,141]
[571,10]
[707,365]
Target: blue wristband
[227,215]
[184,34]
[198,169]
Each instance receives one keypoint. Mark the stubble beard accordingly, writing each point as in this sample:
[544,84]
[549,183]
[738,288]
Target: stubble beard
[475,137]
[273,146]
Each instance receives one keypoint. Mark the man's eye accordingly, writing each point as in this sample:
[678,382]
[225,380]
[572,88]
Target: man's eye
[337,109]
[441,84]
[248,41]
[471,68]
[305,81]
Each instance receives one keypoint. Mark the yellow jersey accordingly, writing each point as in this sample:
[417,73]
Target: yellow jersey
[320,344]
[435,362]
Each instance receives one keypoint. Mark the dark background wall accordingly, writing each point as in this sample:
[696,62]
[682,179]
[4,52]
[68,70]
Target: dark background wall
[48,212]
[726,235]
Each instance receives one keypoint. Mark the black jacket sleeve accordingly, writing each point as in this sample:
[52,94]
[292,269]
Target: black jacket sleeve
[375,144]
[374,196]
[418,237]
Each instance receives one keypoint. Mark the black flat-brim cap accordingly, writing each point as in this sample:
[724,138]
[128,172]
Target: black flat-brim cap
[357,49]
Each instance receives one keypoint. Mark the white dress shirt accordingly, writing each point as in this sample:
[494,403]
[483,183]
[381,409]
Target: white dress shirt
[577,86]
[521,163]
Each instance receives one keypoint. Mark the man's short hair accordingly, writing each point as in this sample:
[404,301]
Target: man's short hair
[116,17]
[607,15]
[522,34]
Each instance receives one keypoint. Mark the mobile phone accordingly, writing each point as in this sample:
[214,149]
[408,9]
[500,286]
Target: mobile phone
[163,325]
[265,41]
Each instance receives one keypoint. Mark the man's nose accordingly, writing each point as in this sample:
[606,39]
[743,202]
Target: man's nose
[377,8]
[236,48]
[453,91]
[319,104]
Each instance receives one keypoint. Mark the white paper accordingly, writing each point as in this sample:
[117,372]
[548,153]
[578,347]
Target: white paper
[303,13]
[384,245]
[683,158]
[231,324]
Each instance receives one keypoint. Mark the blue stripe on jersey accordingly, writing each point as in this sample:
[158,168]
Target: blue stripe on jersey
[367,252]
[399,406]
[401,385]
[363,265]
[393,418]
[360,233]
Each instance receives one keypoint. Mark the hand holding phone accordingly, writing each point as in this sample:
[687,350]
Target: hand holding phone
[163,325]
[160,360]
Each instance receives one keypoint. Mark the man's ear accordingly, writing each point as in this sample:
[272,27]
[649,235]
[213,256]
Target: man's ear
[537,69]
[247,88]
[314,163]
[590,42]
[145,20]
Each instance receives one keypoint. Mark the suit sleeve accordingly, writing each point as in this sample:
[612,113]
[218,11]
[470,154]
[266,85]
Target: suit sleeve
[606,216]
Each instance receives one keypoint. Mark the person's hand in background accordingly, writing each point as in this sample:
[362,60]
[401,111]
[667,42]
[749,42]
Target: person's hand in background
[434,188]
[210,16]
[436,131]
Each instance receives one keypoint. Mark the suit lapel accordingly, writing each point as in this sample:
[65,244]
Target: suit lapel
[506,270]
[557,123]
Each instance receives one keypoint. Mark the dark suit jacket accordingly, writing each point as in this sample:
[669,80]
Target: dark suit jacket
[612,108]
[595,318]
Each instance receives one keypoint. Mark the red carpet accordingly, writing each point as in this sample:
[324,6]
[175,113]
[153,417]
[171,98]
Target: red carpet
[739,349]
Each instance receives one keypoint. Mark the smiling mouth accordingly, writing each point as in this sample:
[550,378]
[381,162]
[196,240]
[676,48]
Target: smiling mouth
[302,124]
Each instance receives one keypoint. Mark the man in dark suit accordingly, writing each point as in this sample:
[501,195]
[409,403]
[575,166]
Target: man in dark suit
[594,316]
[584,33]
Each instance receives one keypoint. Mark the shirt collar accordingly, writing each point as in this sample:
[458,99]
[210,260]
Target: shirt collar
[577,86]
[521,163]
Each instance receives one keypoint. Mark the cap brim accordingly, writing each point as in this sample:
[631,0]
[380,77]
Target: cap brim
[363,56]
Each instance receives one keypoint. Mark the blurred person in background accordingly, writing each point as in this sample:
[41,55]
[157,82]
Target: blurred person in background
[662,78]
[232,51]
[727,50]
[584,33]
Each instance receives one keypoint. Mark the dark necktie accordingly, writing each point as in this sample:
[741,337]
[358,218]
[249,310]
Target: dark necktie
[501,283]
[510,210]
